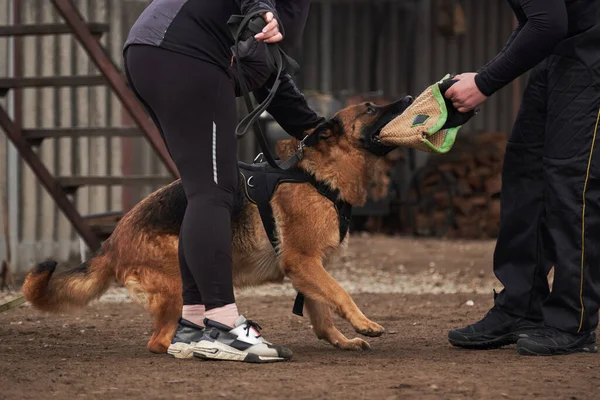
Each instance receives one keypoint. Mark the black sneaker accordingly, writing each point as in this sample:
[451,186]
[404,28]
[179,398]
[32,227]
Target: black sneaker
[552,342]
[185,338]
[496,329]
[243,343]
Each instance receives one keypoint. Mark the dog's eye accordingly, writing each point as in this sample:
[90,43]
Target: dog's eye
[371,110]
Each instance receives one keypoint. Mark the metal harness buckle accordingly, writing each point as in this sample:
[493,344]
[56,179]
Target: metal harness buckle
[301,145]
[259,158]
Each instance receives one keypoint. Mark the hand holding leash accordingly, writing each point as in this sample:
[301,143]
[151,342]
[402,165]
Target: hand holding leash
[270,33]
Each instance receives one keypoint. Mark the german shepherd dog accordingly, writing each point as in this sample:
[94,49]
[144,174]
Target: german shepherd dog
[142,253]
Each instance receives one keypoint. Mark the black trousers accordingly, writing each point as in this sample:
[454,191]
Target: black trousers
[192,102]
[550,201]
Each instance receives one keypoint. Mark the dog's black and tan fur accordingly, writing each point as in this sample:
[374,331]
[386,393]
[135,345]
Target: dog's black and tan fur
[142,252]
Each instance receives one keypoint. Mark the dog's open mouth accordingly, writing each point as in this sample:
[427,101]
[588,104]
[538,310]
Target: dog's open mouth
[375,145]
[371,139]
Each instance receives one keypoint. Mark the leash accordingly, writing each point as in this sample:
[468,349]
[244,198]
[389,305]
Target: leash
[12,304]
[243,28]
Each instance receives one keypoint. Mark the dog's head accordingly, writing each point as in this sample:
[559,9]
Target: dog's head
[342,151]
[359,126]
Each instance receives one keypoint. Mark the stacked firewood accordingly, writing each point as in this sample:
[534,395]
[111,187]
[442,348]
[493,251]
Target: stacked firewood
[458,194]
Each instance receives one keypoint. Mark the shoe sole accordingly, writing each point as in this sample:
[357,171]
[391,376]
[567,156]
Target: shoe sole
[544,352]
[206,350]
[182,351]
[497,343]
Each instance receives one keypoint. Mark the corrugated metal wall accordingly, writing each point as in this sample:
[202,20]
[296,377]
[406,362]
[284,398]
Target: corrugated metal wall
[336,57]
[43,232]
[397,72]
[3,142]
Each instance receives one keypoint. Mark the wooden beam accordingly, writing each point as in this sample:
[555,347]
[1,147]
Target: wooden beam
[97,29]
[47,180]
[98,55]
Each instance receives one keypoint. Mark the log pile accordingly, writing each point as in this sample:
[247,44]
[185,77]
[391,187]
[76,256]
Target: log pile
[457,194]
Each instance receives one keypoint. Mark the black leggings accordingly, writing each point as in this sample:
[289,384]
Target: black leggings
[192,102]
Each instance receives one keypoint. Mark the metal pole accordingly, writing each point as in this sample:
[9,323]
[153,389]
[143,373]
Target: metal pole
[326,46]
[12,159]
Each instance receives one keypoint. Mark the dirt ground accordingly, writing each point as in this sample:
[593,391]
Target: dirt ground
[417,289]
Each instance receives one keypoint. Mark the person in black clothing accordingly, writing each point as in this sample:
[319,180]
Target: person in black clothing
[550,200]
[179,63]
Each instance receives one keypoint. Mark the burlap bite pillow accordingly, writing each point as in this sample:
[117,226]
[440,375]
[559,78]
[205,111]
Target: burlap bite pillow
[430,123]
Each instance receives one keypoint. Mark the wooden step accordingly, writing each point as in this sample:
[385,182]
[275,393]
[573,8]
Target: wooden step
[71,183]
[110,217]
[103,231]
[103,224]
[52,81]
[97,29]
[35,136]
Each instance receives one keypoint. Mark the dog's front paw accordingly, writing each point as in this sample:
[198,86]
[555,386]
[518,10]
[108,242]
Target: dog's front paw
[353,344]
[372,329]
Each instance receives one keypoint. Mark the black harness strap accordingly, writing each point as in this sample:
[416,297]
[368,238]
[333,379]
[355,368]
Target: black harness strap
[343,209]
[261,190]
[298,308]
[243,27]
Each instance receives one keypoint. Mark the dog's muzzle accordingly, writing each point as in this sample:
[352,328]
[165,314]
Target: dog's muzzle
[371,140]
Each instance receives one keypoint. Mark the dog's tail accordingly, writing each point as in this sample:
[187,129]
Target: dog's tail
[69,290]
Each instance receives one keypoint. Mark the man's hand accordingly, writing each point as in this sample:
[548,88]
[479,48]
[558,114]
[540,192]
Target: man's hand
[270,33]
[465,94]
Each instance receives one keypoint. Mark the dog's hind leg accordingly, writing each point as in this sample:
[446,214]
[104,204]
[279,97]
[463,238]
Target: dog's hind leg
[163,302]
[166,312]
[322,322]
[309,277]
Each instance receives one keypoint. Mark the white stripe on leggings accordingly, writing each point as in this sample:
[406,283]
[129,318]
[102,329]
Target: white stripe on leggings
[214,153]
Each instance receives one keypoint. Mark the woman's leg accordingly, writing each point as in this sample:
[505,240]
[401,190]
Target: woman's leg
[193,306]
[194,103]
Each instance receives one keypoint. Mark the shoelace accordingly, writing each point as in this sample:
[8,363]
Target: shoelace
[252,324]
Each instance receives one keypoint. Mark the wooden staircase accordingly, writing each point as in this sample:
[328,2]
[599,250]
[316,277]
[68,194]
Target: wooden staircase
[93,229]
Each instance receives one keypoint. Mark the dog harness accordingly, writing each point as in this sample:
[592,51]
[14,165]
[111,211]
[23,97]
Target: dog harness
[260,180]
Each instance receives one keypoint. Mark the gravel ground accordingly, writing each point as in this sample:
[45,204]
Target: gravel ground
[417,289]
[383,264]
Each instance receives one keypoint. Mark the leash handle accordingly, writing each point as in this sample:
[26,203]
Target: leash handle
[251,119]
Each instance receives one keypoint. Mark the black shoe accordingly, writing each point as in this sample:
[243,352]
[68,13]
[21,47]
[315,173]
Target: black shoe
[496,329]
[185,339]
[552,342]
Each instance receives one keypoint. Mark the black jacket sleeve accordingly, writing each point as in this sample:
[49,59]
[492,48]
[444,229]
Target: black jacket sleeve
[289,107]
[506,46]
[545,25]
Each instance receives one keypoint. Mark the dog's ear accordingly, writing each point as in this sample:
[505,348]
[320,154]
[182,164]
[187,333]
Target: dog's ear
[327,129]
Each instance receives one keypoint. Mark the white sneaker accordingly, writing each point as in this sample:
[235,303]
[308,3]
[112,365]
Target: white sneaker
[185,339]
[243,343]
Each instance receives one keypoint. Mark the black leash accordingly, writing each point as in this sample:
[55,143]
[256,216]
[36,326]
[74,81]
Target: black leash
[243,28]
